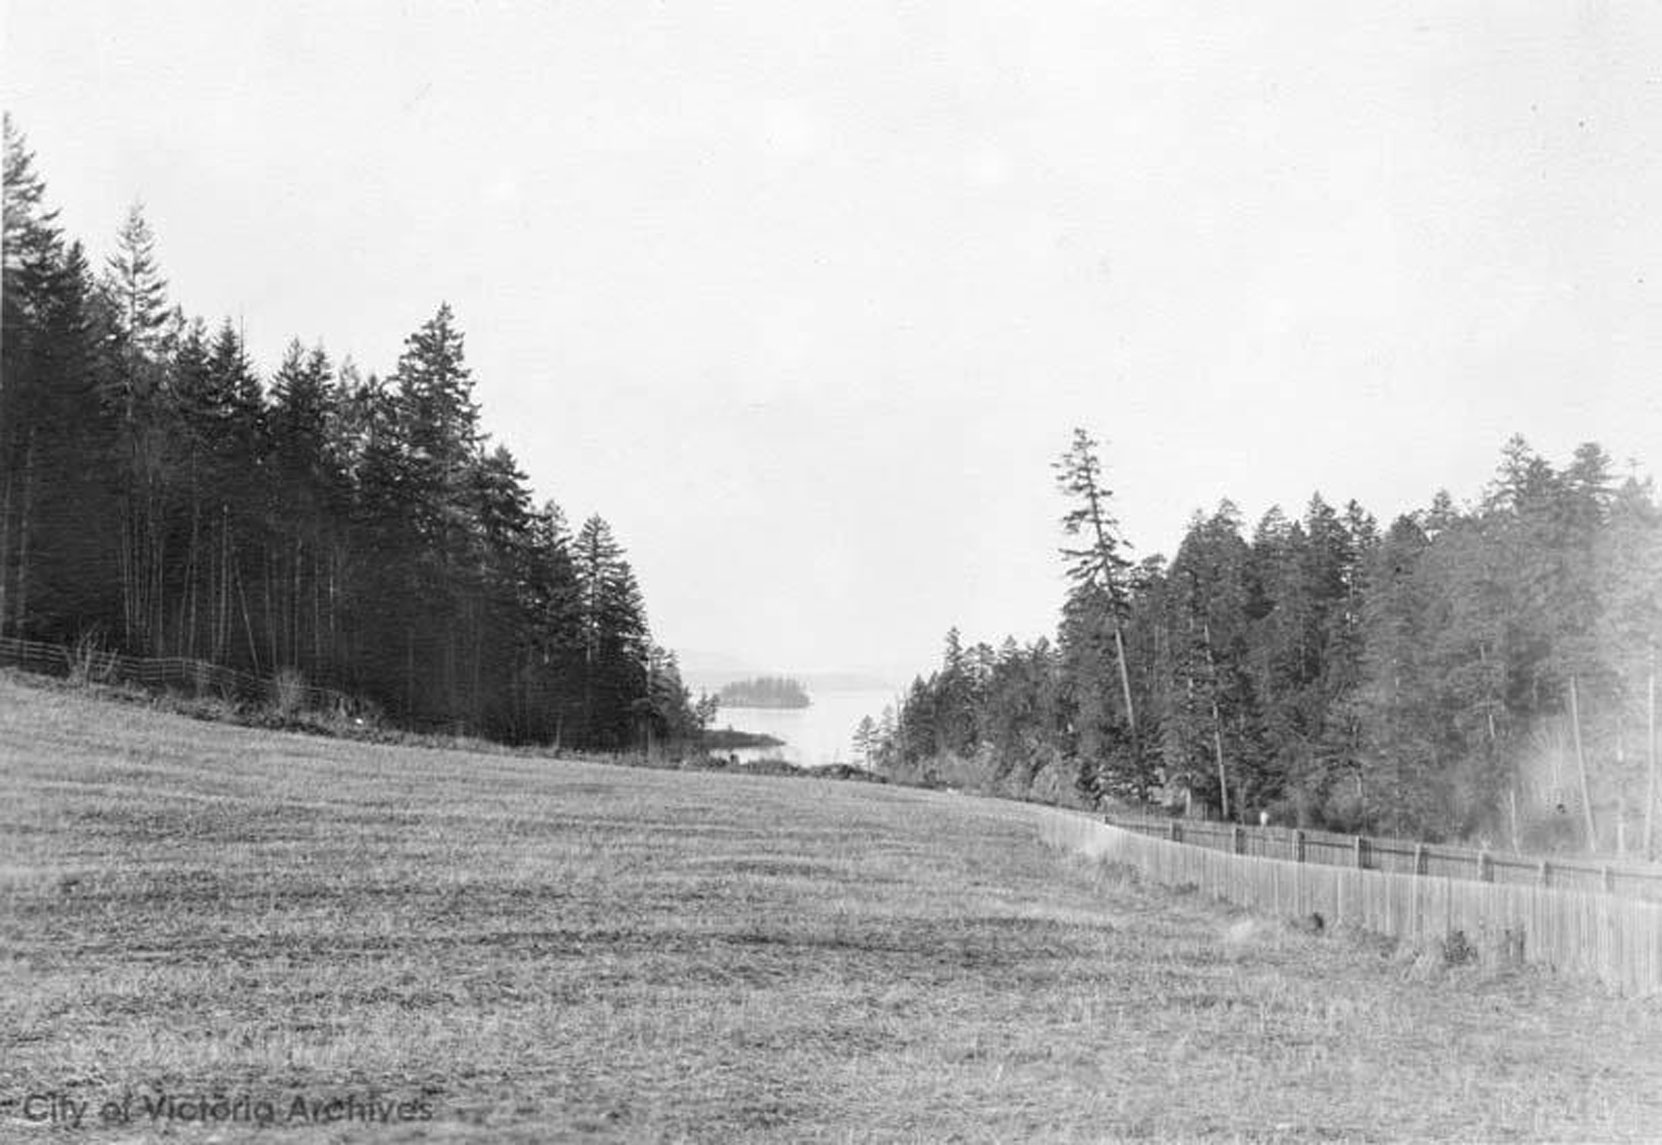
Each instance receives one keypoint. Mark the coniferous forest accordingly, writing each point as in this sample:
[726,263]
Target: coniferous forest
[158,494]
[1483,669]
[1474,671]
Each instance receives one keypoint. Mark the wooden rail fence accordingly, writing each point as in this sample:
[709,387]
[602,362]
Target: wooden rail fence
[196,676]
[1626,877]
[1613,938]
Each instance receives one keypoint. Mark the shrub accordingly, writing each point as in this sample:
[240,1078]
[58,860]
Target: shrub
[1053,784]
[1509,946]
[89,662]
[1457,949]
[1552,832]
[1312,923]
[1346,812]
[205,683]
[288,693]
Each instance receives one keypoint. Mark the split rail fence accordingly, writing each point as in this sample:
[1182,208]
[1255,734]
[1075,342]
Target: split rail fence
[195,676]
[1614,938]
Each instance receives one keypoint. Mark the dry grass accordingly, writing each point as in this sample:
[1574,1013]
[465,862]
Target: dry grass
[569,951]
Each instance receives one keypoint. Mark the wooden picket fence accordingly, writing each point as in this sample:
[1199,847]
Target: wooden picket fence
[197,677]
[1626,876]
[1613,938]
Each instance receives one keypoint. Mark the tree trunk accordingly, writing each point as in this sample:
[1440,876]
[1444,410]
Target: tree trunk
[297,601]
[1217,747]
[317,608]
[267,564]
[1217,719]
[247,621]
[158,605]
[1581,764]
[5,543]
[222,625]
[23,538]
[1125,681]
[336,561]
[124,558]
[1650,752]
[193,572]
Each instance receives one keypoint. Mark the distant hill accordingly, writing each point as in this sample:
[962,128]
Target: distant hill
[846,682]
[765,692]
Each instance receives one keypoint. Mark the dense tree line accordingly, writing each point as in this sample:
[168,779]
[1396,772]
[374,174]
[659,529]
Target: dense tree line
[362,531]
[1482,670]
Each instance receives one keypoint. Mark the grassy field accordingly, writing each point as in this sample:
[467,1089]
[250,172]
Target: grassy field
[531,950]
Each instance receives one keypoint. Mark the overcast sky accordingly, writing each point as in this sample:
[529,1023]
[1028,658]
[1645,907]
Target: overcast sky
[805,298]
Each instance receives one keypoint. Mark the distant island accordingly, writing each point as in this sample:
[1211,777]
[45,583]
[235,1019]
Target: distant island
[765,692]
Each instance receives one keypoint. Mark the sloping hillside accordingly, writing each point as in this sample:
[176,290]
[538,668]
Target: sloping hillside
[518,949]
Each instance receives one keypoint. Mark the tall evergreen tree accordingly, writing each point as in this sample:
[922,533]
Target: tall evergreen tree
[1099,601]
[1397,790]
[31,260]
[615,637]
[1215,717]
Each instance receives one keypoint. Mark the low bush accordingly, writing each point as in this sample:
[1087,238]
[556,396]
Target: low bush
[1457,949]
[288,693]
[88,660]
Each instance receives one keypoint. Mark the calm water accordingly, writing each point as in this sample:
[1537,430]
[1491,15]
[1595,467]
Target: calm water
[821,733]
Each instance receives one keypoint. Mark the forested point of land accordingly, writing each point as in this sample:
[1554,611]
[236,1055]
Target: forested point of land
[726,739]
[765,692]
[1483,670]
[161,497]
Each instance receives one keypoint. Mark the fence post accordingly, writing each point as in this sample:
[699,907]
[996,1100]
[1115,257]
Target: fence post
[1176,832]
[1421,862]
[1238,841]
[1609,880]
[1361,852]
[1546,873]
[1485,868]
[1298,845]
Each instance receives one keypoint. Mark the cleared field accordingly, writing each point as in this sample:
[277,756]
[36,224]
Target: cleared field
[533,950]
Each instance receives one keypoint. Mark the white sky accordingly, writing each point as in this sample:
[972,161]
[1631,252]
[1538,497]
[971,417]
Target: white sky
[806,298]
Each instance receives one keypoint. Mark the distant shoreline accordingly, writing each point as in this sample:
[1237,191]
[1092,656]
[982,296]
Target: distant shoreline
[814,682]
[725,739]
